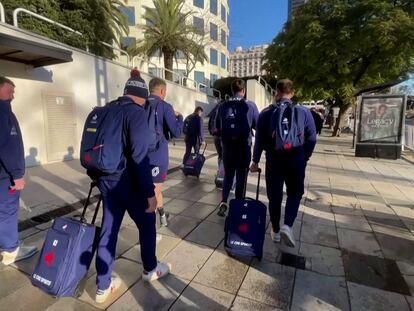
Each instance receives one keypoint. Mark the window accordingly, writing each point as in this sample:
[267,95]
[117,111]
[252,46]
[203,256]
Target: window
[199,3]
[213,57]
[213,6]
[223,13]
[199,76]
[213,31]
[223,61]
[179,75]
[129,12]
[153,71]
[223,37]
[126,42]
[213,78]
[179,54]
[199,24]
[156,53]
[228,65]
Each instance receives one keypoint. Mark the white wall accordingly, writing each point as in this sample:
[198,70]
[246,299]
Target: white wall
[258,94]
[92,81]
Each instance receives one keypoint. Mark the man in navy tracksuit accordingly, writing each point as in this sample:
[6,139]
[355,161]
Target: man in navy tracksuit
[284,166]
[130,189]
[12,169]
[170,123]
[194,132]
[237,152]
[213,131]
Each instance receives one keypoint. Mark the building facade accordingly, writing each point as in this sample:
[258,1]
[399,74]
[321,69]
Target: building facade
[246,63]
[294,4]
[212,16]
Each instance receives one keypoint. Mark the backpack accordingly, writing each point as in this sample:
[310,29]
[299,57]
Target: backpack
[155,133]
[191,125]
[102,145]
[235,126]
[212,127]
[295,136]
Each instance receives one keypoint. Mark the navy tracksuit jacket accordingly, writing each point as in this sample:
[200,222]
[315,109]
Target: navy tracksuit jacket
[12,167]
[128,190]
[194,136]
[171,125]
[236,158]
[284,166]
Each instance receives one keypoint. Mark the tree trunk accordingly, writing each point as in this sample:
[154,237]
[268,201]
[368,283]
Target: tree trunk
[168,64]
[338,124]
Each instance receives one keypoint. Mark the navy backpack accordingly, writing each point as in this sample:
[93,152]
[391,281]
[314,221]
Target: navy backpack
[102,149]
[235,126]
[293,137]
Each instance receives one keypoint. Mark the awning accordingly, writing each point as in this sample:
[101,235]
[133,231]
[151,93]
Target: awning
[377,87]
[30,52]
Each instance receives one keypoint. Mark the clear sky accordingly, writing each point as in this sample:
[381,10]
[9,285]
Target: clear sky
[254,22]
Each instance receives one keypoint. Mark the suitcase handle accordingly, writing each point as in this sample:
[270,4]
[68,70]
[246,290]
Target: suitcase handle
[259,171]
[205,147]
[87,202]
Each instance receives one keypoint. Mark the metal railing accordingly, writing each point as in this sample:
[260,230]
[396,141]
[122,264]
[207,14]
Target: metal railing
[135,58]
[21,10]
[116,49]
[2,15]
[266,85]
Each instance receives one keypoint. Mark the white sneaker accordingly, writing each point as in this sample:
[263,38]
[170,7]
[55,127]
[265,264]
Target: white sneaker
[287,236]
[22,252]
[103,294]
[159,237]
[275,236]
[164,219]
[162,269]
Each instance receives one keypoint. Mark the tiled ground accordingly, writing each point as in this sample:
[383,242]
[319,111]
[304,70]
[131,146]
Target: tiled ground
[355,231]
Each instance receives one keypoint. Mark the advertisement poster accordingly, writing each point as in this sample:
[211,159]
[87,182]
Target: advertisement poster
[381,119]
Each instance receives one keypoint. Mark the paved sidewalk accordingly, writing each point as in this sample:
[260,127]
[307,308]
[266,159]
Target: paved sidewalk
[355,246]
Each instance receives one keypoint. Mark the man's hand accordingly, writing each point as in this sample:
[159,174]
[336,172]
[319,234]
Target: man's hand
[18,184]
[152,205]
[254,167]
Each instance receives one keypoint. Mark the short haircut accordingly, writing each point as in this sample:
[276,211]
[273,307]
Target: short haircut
[237,86]
[198,109]
[285,86]
[4,80]
[155,83]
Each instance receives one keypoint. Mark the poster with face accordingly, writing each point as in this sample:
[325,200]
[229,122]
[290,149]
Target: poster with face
[381,119]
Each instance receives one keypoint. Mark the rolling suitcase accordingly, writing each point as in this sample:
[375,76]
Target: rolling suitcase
[194,164]
[67,253]
[245,226]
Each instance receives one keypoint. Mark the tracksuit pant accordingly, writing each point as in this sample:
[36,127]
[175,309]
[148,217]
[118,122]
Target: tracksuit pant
[278,173]
[189,146]
[219,148]
[236,161]
[9,208]
[118,197]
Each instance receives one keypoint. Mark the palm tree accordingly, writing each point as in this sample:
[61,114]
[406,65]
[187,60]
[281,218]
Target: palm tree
[168,31]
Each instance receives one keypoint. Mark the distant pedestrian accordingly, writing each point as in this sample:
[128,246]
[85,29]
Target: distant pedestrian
[236,118]
[12,169]
[194,132]
[318,118]
[286,131]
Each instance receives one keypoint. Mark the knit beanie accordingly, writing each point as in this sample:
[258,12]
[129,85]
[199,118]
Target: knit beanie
[135,85]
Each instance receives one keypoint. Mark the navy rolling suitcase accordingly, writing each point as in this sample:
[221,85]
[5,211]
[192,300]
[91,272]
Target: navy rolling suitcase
[194,164]
[245,226]
[67,254]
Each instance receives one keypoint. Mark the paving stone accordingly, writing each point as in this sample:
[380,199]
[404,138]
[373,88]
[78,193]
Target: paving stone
[406,268]
[11,280]
[316,218]
[198,211]
[157,295]
[347,209]
[27,233]
[127,237]
[213,198]
[364,298]
[199,297]
[269,283]
[324,260]
[409,279]
[374,271]
[164,246]
[187,259]
[222,272]
[318,292]
[26,298]
[321,235]
[179,226]
[129,272]
[207,233]
[71,304]
[177,206]
[193,195]
[244,304]
[360,242]
[352,222]
[410,301]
